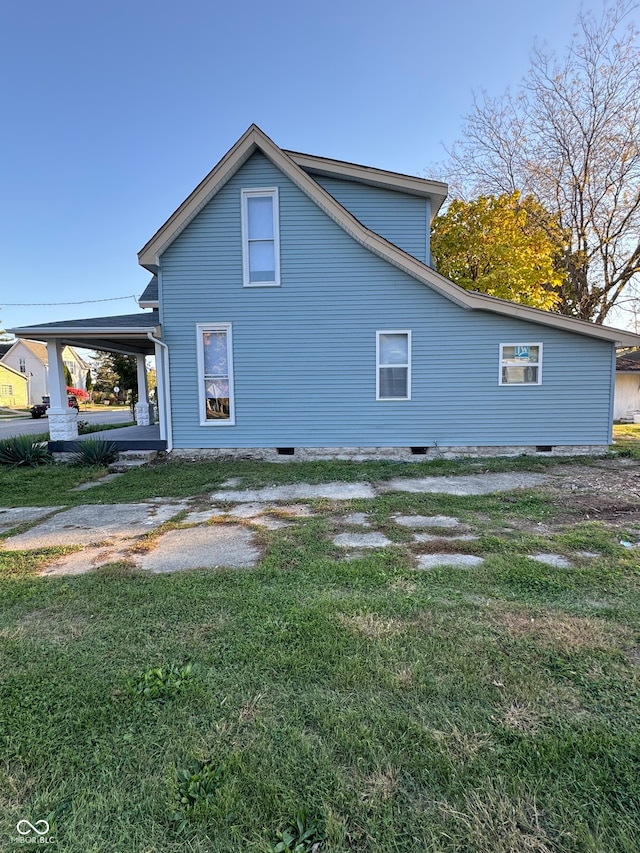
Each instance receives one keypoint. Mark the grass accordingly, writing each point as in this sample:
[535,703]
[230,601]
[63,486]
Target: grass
[356,704]
[627,439]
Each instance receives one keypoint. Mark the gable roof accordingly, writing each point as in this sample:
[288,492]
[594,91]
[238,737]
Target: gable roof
[149,298]
[628,362]
[4,366]
[255,140]
[37,348]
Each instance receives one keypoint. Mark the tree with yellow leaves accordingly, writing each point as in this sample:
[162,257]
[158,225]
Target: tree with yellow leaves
[500,245]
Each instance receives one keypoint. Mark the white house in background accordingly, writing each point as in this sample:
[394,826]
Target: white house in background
[627,396]
[30,358]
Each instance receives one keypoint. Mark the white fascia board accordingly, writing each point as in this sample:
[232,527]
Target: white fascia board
[435,190]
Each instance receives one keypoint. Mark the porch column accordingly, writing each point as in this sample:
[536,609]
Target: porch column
[63,421]
[142,406]
[160,392]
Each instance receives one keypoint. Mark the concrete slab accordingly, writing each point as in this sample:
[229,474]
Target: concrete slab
[471,484]
[555,560]
[430,537]
[81,562]
[362,540]
[106,479]
[229,545]
[10,518]
[358,519]
[460,561]
[83,525]
[426,520]
[299,491]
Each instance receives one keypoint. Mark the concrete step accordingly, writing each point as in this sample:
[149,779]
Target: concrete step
[130,459]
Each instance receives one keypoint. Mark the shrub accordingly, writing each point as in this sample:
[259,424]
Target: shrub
[94,451]
[23,450]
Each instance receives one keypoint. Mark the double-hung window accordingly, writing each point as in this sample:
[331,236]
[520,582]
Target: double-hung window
[215,374]
[260,238]
[520,364]
[393,365]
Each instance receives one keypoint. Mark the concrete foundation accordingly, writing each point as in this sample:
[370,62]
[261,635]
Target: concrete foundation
[404,454]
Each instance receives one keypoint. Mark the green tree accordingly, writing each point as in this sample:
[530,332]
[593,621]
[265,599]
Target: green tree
[497,245]
[115,370]
[88,381]
[68,378]
[569,138]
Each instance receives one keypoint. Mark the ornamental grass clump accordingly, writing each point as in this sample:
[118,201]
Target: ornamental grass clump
[94,451]
[23,450]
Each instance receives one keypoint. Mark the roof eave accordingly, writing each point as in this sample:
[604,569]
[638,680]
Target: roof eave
[437,191]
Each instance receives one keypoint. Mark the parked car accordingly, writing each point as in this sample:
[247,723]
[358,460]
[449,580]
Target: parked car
[40,409]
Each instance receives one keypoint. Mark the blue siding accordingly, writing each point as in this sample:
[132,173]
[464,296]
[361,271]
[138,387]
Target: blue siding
[401,218]
[305,352]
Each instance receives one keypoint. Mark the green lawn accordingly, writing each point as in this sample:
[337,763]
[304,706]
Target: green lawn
[493,709]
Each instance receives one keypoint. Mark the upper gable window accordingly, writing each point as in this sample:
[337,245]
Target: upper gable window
[520,364]
[260,238]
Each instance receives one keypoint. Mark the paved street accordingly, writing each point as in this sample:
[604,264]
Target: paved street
[35,426]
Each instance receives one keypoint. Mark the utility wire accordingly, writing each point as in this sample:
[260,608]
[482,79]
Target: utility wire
[84,302]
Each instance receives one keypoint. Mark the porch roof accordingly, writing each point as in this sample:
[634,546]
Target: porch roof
[125,333]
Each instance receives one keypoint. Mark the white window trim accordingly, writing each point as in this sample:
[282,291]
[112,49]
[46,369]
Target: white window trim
[406,332]
[214,327]
[537,364]
[265,192]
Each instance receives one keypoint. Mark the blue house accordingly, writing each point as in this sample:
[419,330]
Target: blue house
[294,310]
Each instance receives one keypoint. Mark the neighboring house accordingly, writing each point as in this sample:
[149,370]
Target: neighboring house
[30,358]
[294,311]
[13,388]
[627,396]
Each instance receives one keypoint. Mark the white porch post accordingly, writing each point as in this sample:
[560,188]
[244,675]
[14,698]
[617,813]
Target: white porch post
[142,406]
[63,421]
[160,392]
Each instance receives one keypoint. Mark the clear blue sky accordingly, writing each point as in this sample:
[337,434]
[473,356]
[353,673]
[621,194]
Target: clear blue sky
[112,112]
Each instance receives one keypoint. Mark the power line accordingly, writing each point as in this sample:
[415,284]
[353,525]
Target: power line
[84,302]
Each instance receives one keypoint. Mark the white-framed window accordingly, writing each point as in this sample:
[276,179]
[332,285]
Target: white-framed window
[6,390]
[520,364]
[71,366]
[22,365]
[215,374]
[393,365]
[260,238]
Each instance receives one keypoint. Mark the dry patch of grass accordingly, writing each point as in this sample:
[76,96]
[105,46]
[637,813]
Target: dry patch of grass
[381,784]
[494,823]
[520,717]
[571,633]
[460,745]
[371,625]
[51,624]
